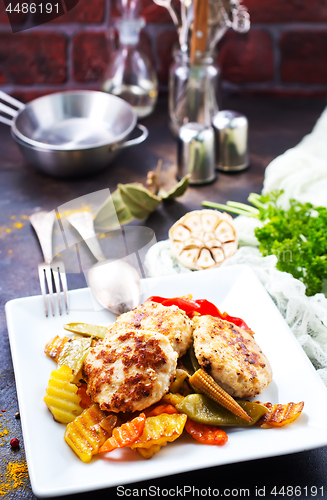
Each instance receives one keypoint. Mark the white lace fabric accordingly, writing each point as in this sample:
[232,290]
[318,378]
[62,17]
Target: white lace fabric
[302,173]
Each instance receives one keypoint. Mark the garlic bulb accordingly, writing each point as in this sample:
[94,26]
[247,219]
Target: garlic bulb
[203,239]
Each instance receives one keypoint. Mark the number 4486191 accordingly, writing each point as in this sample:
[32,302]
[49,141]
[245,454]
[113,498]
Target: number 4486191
[297,491]
[32,8]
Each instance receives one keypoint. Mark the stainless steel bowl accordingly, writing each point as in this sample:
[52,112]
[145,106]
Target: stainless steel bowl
[72,133]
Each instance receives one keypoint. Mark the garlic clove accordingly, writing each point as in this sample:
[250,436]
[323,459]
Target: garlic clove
[180,233]
[189,257]
[225,232]
[208,236]
[191,242]
[178,247]
[209,220]
[218,255]
[193,221]
[205,259]
[213,244]
[229,248]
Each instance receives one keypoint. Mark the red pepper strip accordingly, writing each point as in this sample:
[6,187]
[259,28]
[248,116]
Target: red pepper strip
[206,434]
[188,306]
[155,410]
[199,306]
[125,435]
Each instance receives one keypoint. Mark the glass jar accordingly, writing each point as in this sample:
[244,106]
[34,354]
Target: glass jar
[194,91]
[130,75]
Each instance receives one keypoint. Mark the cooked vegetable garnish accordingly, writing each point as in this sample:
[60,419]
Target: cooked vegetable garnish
[160,408]
[172,399]
[85,401]
[200,306]
[86,329]
[85,434]
[204,383]
[73,353]
[61,396]
[280,415]
[54,347]
[206,434]
[160,430]
[179,383]
[203,410]
[125,435]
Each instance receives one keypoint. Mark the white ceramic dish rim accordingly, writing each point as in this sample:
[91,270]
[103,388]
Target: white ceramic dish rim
[55,470]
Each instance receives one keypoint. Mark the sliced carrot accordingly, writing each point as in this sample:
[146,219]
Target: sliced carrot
[153,411]
[125,435]
[85,401]
[206,434]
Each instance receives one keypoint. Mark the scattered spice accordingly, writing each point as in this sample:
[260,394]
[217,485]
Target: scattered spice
[14,443]
[16,477]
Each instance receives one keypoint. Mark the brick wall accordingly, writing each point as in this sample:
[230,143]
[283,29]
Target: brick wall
[284,53]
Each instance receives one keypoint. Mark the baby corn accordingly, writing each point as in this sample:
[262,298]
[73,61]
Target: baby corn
[204,383]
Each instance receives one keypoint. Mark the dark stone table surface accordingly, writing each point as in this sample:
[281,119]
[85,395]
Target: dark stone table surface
[275,125]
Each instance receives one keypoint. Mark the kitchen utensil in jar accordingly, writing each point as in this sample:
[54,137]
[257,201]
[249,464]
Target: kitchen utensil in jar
[196,153]
[173,14]
[71,133]
[114,283]
[231,132]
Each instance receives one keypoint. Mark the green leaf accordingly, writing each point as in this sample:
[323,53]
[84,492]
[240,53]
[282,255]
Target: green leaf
[178,190]
[113,208]
[139,201]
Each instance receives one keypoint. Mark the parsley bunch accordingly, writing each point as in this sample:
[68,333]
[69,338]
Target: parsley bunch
[297,236]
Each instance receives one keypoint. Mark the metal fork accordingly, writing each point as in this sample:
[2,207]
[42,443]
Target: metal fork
[49,272]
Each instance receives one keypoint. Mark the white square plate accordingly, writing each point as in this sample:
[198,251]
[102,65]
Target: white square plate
[55,470]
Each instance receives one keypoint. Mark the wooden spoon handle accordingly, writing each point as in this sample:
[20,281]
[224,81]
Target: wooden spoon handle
[200,29]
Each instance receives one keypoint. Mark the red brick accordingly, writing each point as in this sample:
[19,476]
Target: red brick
[283,11]
[247,57]
[32,93]
[281,92]
[90,56]
[18,18]
[303,57]
[165,43]
[150,11]
[33,58]
[86,11]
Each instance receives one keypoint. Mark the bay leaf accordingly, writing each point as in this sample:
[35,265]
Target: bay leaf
[112,214]
[138,200]
[178,190]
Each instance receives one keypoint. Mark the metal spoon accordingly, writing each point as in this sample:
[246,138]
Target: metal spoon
[114,283]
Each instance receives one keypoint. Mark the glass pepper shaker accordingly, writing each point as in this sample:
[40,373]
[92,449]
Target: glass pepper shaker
[131,75]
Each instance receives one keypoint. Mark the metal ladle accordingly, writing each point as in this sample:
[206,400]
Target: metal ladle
[114,283]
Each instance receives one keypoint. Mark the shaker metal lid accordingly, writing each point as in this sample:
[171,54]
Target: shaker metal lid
[229,119]
[231,131]
[196,153]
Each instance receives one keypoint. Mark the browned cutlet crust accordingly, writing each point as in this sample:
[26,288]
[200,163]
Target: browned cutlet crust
[169,321]
[130,370]
[232,357]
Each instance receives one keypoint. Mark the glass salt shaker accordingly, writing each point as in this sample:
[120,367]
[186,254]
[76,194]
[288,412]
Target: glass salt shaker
[131,75]
[205,97]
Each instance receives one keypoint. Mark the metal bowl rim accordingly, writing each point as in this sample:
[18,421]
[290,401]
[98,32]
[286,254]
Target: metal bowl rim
[48,147]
